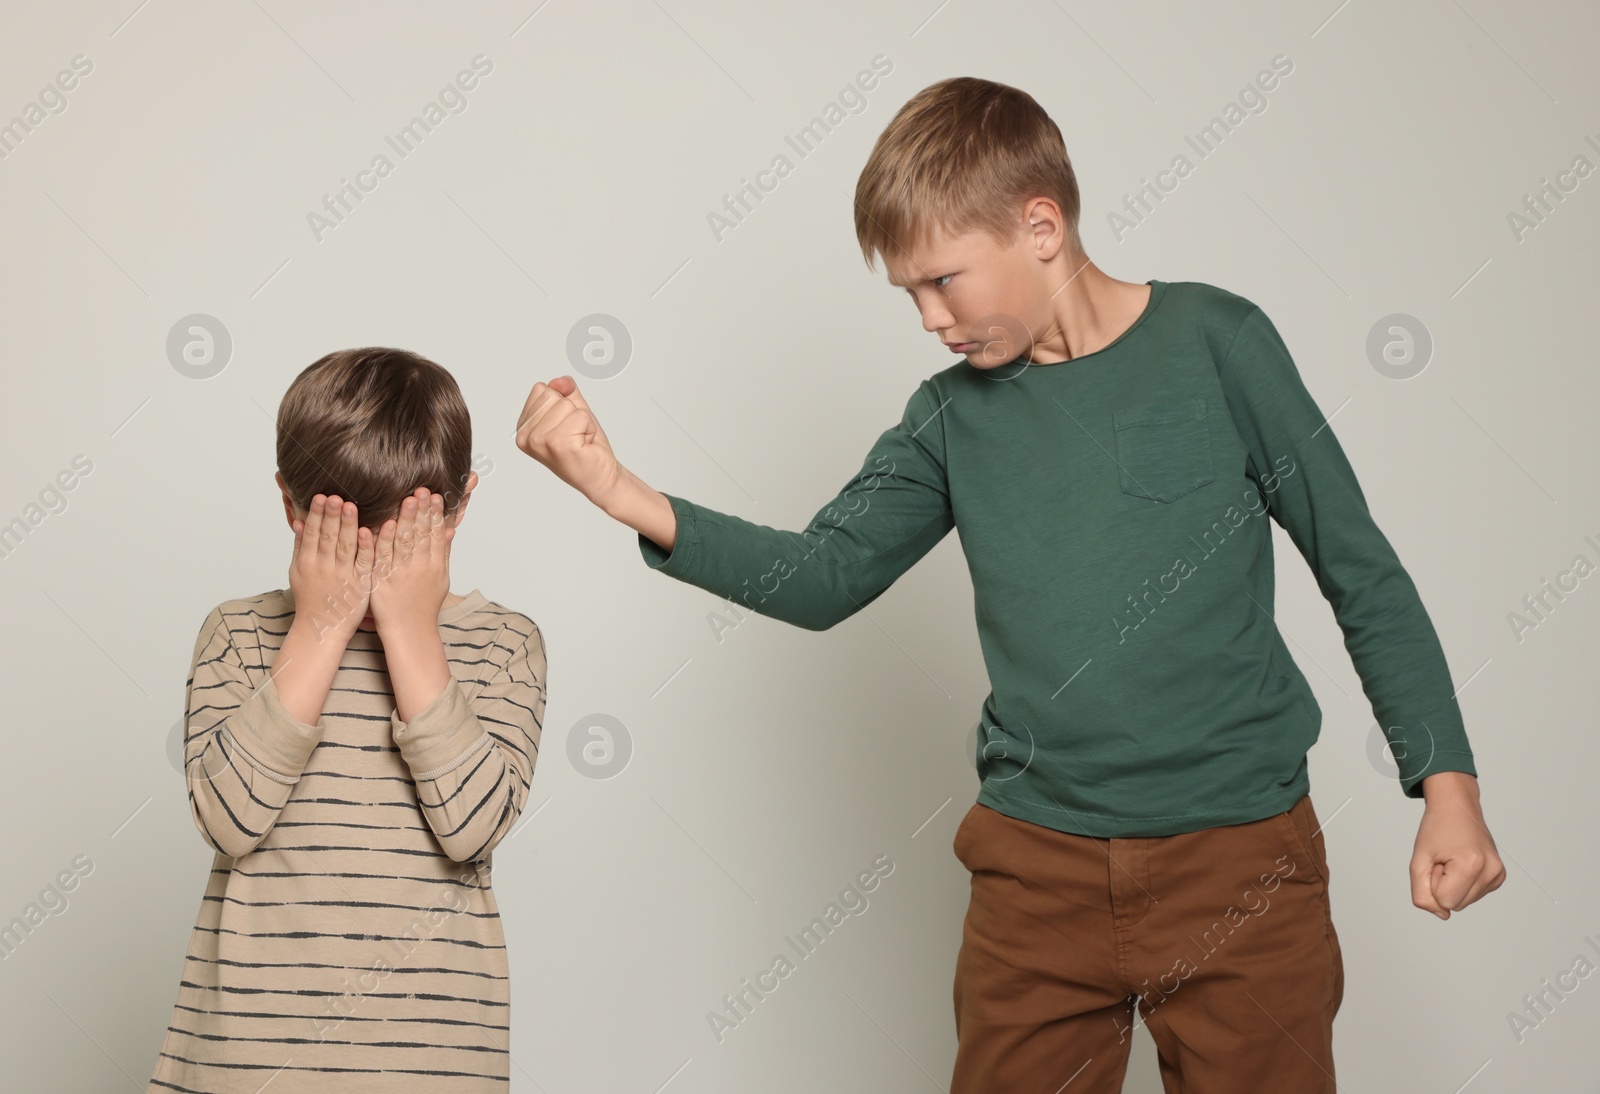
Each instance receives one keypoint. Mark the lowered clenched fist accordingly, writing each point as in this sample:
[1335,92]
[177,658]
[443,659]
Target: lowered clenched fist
[558,429]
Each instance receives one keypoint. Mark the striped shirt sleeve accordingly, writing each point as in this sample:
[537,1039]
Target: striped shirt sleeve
[243,751]
[472,756]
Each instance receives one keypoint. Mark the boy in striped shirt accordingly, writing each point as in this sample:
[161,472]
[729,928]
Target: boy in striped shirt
[357,746]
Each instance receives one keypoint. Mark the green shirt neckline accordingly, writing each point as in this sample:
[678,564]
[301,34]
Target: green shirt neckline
[1157,290]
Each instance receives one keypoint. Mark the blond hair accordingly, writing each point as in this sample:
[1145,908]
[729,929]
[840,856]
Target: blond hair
[962,154]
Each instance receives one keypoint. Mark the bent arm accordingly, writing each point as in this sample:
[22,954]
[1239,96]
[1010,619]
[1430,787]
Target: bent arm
[472,750]
[1311,490]
[887,517]
[243,748]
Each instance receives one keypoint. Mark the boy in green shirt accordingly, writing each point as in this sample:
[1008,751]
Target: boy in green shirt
[1107,451]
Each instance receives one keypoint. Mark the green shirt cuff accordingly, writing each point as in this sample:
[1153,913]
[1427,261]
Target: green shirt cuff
[1451,760]
[676,562]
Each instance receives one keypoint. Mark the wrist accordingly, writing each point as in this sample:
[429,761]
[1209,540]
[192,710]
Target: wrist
[609,498]
[409,633]
[644,509]
[319,628]
[1449,784]
[622,501]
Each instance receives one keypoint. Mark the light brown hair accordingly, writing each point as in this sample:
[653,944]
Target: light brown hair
[371,425]
[962,154]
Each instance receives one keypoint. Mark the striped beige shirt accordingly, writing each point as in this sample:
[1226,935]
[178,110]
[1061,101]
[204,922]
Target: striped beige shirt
[348,938]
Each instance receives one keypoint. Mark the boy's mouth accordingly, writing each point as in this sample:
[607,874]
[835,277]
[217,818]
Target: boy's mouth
[962,347]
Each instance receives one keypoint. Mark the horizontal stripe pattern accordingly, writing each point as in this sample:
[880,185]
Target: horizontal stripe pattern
[348,937]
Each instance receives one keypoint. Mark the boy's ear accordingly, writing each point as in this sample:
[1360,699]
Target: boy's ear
[466,496]
[1045,229]
[288,504]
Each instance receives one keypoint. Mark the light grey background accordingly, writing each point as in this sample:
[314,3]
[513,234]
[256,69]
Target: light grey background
[771,767]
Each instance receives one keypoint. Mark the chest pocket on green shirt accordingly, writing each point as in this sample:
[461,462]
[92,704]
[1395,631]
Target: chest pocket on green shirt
[1163,448]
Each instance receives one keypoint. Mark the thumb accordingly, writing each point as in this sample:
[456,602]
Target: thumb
[1451,883]
[1425,876]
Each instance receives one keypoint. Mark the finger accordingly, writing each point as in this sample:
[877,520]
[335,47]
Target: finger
[548,405]
[420,531]
[441,530]
[406,530]
[1463,881]
[1496,873]
[552,420]
[328,528]
[537,397]
[1477,889]
[591,430]
[383,556]
[365,545]
[347,535]
[1422,871]
[434,522]
[423,543]
[575,396]
[1436,882]
[313,532]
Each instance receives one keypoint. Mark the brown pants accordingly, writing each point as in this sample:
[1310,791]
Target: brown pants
[1224,935]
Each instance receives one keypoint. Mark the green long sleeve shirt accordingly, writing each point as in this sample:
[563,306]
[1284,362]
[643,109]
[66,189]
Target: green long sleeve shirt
[1112,509]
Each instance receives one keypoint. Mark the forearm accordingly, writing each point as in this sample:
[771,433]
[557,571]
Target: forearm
[243,749]
[891,513]
[234,801]
[1447,786]
[1396,650]
[418,669]
[473,757]
[646,510]
[305,666]
[474,801]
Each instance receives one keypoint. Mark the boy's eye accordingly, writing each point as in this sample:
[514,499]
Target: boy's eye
[942,280]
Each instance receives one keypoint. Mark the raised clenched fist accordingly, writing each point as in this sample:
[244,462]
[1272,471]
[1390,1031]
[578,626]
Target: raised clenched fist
[558,429]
